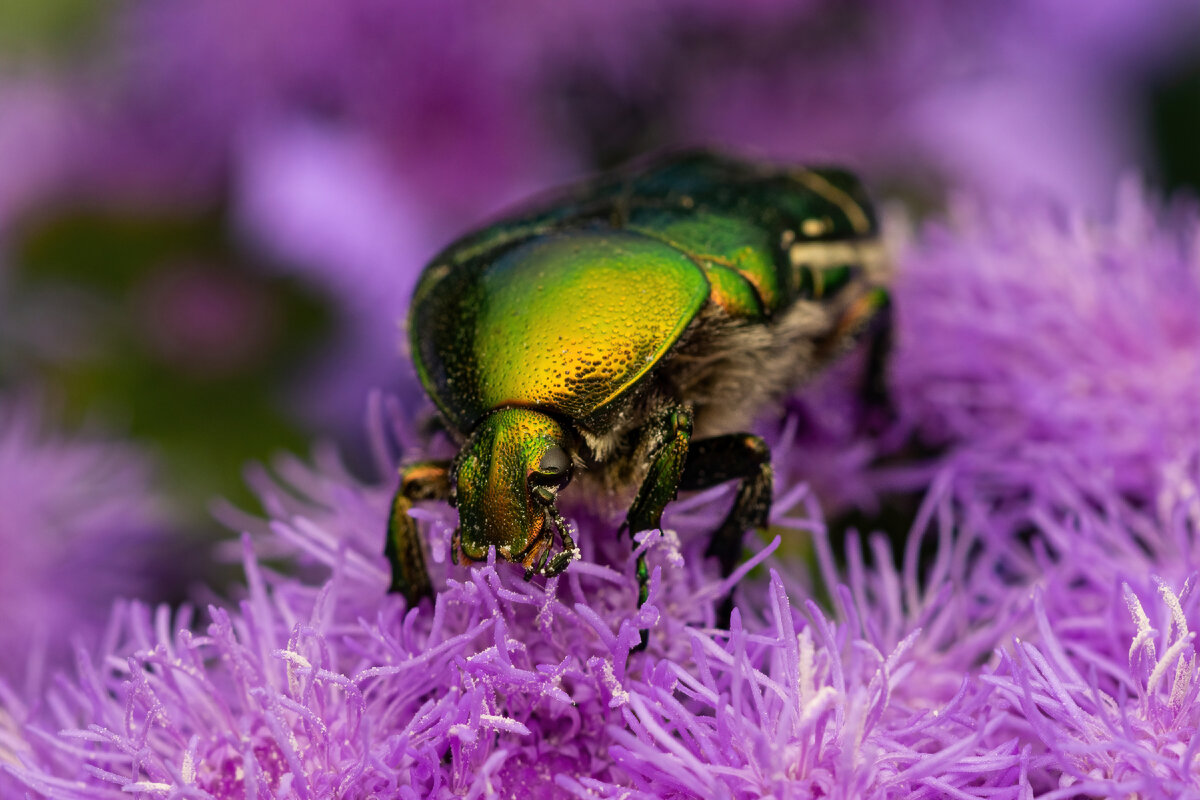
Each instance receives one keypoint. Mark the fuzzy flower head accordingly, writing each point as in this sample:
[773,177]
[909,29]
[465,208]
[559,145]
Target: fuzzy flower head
[1050,353]
[77,525]
[504,688]
[1031,636]
[1103,692]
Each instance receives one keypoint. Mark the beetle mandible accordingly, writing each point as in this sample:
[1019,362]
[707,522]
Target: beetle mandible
[627,331]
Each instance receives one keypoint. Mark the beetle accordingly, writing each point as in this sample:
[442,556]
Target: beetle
[625,332]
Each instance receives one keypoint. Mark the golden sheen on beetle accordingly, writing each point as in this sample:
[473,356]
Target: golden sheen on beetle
[623,333]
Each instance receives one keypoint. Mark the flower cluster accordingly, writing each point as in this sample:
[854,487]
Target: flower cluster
[77,530]
[1031,638]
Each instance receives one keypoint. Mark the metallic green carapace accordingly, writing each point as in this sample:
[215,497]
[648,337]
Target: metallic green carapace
[626,330]
[587,312]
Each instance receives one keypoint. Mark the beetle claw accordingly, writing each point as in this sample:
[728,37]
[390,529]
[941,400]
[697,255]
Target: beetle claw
[536,555]
[564,557]
[537,558]
[560,562]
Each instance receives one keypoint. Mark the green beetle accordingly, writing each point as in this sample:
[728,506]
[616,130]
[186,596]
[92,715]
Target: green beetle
[626,332]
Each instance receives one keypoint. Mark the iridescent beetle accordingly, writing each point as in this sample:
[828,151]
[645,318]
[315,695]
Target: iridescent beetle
[626,332]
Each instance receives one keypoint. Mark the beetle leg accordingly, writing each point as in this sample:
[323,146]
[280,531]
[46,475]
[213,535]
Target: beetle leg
[569,552]
[537,550]
[425,480]
[741,456]
[541,568]
[660,485]
[877,407]
[537,558]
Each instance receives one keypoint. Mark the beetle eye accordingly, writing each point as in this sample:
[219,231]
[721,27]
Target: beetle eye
[554,468]
[554,461]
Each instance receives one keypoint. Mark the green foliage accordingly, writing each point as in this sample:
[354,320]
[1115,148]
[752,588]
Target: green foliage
[165,327]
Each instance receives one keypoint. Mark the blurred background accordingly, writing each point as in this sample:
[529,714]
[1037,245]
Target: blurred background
[212,211]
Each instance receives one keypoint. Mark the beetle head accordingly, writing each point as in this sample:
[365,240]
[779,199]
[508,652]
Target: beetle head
[507,478]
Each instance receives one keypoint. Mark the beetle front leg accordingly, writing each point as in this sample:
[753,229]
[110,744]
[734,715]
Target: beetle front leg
[425,480]
[569,552]
[722,458]
[661,484]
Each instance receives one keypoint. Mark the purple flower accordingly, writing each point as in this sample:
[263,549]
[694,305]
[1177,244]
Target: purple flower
[333,688]
[475,105]
[1102,693]
[76,532]
[35,130]
[1076,375]
[1032,638]
[324,200]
